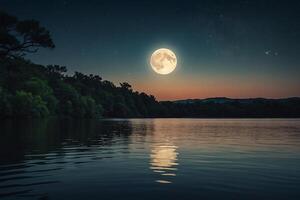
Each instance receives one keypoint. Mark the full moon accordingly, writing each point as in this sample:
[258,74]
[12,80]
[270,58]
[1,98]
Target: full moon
[163,61]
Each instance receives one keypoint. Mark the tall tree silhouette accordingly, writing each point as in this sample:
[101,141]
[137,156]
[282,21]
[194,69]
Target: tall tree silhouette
[20,37]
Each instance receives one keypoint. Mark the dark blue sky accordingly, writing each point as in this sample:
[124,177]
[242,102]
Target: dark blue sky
[224,48]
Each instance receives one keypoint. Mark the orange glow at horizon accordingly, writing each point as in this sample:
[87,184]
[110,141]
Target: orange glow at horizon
[180,85]
[195,89]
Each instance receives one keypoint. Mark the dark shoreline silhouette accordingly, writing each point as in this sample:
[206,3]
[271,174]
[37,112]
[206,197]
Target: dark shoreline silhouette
[29,90]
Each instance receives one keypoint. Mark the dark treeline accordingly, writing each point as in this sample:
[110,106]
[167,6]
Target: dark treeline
[234,108]
[31,90]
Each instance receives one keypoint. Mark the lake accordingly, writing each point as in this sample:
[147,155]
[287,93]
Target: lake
[150,159]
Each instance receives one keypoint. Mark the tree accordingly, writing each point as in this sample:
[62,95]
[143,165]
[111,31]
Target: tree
[40,87]
[27,105]
[56,71]
[126,86]
[20,37]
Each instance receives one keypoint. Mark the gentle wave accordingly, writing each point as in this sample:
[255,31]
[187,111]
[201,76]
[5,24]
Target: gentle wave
[233,157]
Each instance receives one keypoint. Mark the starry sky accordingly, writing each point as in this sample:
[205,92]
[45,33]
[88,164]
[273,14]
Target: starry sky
[237,49]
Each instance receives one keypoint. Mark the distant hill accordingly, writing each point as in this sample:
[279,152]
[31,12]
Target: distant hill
[222,107]
[223,100]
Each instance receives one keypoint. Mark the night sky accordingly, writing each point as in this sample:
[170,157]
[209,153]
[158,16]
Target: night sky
[236,49]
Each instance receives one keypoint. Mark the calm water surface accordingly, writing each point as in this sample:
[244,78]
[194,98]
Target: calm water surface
[150,159]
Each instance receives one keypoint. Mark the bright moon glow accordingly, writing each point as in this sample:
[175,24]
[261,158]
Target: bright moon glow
[163,61]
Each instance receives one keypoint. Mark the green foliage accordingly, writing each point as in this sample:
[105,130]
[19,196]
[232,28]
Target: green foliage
[27,105]
[37,86]
[29,90]
[40,87]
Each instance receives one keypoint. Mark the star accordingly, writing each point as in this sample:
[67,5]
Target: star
[271,53]
[268,52]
